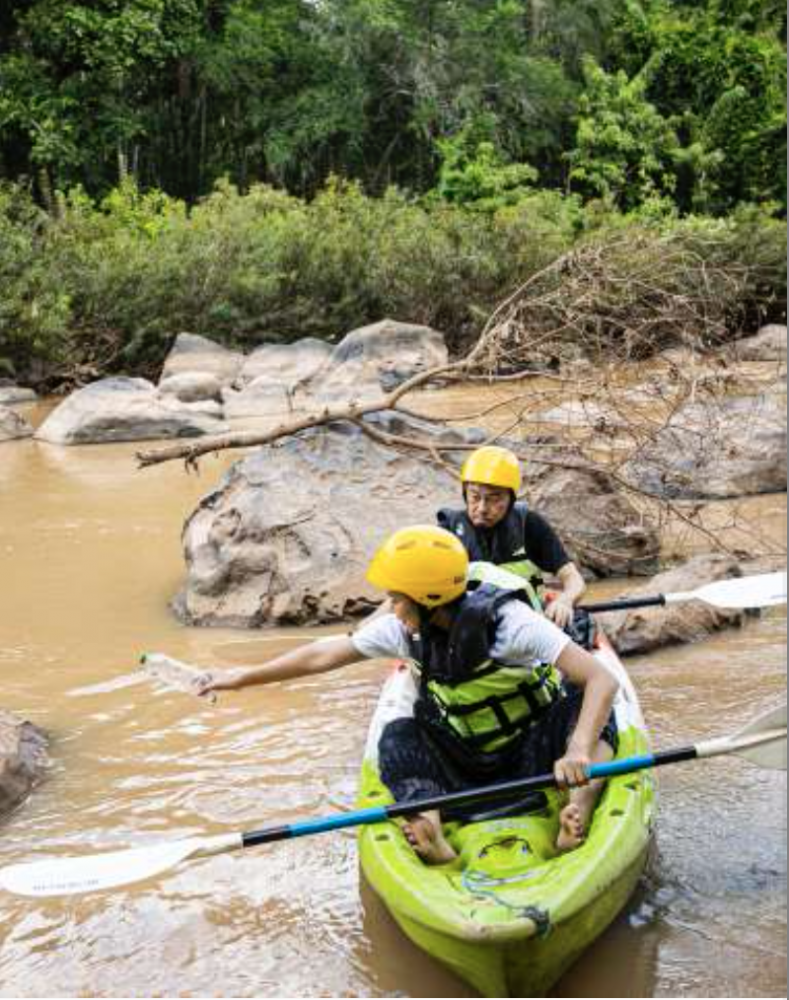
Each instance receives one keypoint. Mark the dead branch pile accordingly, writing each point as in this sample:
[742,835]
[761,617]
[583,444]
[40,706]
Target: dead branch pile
[621,300]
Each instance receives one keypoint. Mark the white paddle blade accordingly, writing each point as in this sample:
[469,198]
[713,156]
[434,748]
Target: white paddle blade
[98,872]
[762,741]
[770,754]
[765,591]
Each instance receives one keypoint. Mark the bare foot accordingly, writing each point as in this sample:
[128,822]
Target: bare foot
[428,842]
[572,829]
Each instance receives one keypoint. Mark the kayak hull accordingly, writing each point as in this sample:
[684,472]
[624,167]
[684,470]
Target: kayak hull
[511,915]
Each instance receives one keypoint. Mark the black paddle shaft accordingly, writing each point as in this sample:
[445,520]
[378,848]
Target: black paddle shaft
[658,600]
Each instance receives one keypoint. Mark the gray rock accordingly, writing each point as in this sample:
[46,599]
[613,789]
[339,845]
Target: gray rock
[11,395]
[192,387]
[285,365]
[577,413]
[375,359]
[769,344]
[12,426]
[645,629]
[260,398]
[601,529]
[193,353]
[23,759]
[126,409]
[725,448]
[288,534]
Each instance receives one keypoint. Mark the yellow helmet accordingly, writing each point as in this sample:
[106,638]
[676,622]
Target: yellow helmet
[424,562]
[493,466]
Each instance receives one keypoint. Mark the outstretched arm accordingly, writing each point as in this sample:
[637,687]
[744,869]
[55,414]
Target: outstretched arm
[314,658]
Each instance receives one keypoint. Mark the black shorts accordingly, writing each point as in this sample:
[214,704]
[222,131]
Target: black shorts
[414,764]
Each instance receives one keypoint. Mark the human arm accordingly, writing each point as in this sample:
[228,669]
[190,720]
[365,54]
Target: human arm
[560,608]
[599,690]
[313,658]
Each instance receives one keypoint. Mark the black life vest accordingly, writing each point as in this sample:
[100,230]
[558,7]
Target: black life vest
[502,545]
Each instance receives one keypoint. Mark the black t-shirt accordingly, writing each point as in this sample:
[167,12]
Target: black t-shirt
[543,546]
[523,534]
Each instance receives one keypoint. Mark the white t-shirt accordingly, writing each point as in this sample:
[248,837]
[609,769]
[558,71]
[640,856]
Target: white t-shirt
[523,638]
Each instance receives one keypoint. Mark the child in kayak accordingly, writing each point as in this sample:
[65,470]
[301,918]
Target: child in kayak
[490,706]
[496,527]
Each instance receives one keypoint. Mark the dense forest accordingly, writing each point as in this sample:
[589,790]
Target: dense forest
[265,169]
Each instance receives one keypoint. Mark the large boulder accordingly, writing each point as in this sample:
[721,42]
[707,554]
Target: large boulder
[645,629]
[127,409]
[716,450]
[601,529]
[192,387]
[23,759]
[260,398]
[285,365]
[375,359]
[193,353]
[13,426]
[288,534]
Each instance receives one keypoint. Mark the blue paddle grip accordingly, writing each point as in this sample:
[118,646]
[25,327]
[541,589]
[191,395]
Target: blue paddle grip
[620,766]
[359,818]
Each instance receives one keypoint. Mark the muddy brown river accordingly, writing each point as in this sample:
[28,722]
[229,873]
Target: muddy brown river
[90,557]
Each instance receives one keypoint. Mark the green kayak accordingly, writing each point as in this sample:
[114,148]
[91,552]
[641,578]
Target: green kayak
[510,915]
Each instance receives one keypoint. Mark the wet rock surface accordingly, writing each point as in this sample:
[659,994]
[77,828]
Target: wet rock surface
[23,759]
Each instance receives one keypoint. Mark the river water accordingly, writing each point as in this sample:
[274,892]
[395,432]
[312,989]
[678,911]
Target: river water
[91,555]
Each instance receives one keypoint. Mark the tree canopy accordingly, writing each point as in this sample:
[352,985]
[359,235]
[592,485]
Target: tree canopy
[617,99]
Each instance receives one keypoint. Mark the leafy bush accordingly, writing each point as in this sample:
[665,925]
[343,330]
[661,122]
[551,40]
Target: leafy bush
[101,288]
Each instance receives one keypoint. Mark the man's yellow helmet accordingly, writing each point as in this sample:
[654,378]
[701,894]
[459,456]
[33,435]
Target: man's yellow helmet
[493,466]
[424,562]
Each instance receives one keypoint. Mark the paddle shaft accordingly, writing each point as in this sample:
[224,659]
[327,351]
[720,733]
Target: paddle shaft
[762,742]
[505,790]
[659,600]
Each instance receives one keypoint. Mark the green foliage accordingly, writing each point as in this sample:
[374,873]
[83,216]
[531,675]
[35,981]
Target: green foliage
[478,177]
[108,285]
[180,93]
[625,149]
[717,72]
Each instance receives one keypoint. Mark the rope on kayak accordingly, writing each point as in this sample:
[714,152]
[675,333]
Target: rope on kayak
[483,886]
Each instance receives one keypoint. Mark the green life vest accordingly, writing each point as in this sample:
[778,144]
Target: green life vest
[484,704]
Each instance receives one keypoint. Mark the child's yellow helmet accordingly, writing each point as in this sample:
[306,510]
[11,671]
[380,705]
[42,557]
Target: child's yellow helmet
[424,562]
[493,466]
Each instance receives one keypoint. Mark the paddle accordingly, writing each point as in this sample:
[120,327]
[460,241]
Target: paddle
[764,591]
[763,742]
